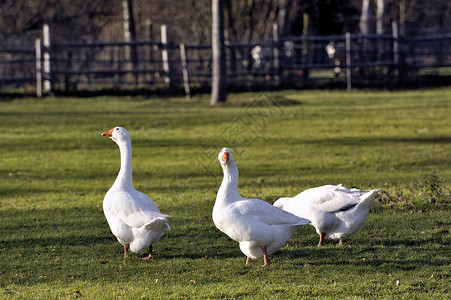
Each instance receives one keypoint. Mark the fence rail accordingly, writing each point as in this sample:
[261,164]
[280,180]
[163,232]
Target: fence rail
[288,60]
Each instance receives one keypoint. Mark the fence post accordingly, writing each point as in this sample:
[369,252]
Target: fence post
[47,69]
[165,55]
[275,49]
[38,49]
[396,61]
[348,62]
[185,70]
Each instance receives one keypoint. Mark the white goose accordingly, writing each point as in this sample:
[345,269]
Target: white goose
[132,216]
[335,211]
[259,227]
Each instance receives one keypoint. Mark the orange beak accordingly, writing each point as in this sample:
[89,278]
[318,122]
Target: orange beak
[226,157]
[109,133]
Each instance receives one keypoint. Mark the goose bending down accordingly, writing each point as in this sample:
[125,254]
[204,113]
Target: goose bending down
[132,216]
[259,227]
[335,211]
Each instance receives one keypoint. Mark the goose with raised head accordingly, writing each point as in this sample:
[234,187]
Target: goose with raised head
[259,227]
[132,216]
[335,211]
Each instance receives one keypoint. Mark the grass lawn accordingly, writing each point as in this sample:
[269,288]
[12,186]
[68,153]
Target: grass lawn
[55,169]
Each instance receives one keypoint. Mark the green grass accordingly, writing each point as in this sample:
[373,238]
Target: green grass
[55,169]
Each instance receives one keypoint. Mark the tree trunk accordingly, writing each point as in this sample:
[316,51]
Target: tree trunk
[365,30]
[249,21]
[284,8]
[365,17]
[129,21]
[231,34]
[129,29]
[219,75]
[380,17]
[380,27]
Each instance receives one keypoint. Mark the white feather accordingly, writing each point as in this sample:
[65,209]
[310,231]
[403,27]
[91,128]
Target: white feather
[132,216]
[333,209]
[253,223]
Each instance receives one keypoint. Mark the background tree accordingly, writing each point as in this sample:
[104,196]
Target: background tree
[129,21]
[284,9]
[219,75]
[76,19]
[129,29]
[380,17]
[365,17]
[190,21]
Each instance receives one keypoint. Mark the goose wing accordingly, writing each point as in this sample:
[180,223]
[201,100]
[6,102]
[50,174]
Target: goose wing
[136,209]
[263,212]
[340,199]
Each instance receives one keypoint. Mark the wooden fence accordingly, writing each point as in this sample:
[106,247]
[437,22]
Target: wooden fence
[17,66]
[70,66]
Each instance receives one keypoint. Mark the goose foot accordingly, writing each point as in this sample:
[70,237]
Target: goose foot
[265,257]
[248,261]
[322,237]
[340,242]
[148,256]
[126,247]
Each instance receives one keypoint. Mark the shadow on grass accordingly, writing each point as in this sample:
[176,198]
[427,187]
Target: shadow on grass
[39,228]
[77,244]
[365,141]
[399,258]
[55,241]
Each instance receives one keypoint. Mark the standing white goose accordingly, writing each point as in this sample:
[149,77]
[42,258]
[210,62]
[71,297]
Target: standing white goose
[132,216]
[259,227]
[335,211]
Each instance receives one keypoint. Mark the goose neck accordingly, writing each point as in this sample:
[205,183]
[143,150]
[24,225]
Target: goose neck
[124,178]
[229,185]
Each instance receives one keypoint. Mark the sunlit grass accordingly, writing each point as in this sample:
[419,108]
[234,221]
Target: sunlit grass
[55,169]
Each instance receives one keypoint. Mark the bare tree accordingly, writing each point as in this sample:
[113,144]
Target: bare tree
[73,19]
[129,21]
[190,21]
[199,21]
[129,29]
[284,8]
[365,17]
[380,16]
[250,20]
[219,75]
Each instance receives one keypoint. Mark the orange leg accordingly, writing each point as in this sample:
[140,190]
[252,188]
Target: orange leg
[340,242]
[150,255]
[322,237]
[265,257]
[126,247]
[248,261]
